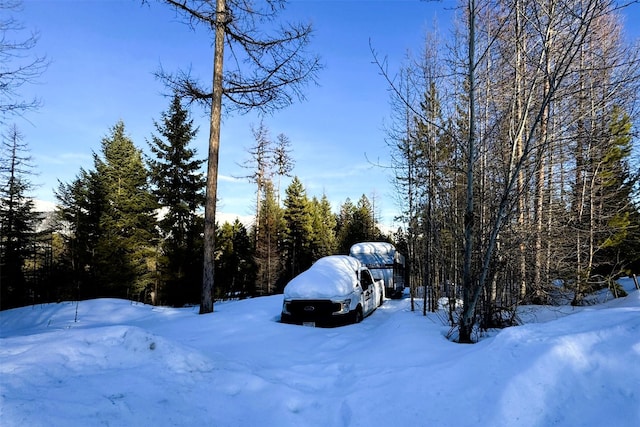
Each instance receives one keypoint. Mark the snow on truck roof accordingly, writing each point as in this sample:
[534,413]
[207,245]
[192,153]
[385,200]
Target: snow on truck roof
[328,277]
[373,247]
[374,253]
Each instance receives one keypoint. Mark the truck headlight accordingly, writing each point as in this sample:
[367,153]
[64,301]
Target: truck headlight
[342,307]
[285,307]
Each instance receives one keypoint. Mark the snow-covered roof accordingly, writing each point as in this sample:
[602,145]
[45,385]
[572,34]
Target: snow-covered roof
[374,253]
[329,277]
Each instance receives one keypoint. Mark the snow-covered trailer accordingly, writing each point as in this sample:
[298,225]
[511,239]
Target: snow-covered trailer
[385,263]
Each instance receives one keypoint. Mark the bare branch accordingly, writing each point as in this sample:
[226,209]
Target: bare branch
[17,66]
[270,68]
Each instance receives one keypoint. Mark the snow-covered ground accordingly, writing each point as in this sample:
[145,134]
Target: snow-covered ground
[124,364]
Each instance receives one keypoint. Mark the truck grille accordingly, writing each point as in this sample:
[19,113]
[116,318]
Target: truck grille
[312,310]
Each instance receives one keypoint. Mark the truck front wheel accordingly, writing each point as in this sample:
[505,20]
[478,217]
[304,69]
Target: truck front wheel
[357,316]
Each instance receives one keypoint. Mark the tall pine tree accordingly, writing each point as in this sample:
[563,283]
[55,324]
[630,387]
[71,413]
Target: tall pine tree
[125,252]
[298,231]
[268,240]
[17,219]
[618,235]
[179,188]
[323,236]
[79,209]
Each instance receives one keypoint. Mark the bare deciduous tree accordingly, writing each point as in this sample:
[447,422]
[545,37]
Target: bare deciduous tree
[252,69]
[527,81]
[17,66]
[559,31]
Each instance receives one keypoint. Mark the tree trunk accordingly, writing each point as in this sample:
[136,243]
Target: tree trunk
[206,303]
[469,302]
[518,132]
[543,188]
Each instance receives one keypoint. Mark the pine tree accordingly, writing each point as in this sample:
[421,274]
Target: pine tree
[17,219]
[344,227]
[235,268]
[268,243]
[356,224]
[255,83]
[323,223]
[618,243]
[79,209]
[179,189]
[125,253]
[298,231]
[365,228]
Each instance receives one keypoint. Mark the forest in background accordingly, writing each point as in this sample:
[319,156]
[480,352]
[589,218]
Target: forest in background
[131,227]
[512,148]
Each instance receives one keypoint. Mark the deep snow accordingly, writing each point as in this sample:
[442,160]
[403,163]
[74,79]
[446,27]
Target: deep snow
[124,364]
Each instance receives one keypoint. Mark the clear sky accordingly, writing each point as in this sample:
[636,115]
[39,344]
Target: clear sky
[103,55]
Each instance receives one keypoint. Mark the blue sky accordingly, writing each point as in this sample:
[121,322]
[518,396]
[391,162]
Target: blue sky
[103,55]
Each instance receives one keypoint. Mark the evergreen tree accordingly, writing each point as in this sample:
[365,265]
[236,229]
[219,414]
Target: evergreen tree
[179,189]
[79,209]
[356,224]
[17,219]
[323,224]
[364,222]
[344,220]
[298,231]
[268,238]
[125,252]
[235,268]
[618,235]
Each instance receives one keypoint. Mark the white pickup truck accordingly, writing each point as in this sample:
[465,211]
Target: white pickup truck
[337,289]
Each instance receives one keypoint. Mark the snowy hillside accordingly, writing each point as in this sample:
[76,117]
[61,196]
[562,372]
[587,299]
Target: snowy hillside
[123,364]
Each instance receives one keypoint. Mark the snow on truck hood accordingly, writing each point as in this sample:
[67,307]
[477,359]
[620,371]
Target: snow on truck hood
[329,277]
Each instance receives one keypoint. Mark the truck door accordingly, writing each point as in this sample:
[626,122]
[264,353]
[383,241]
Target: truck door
[368,292]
